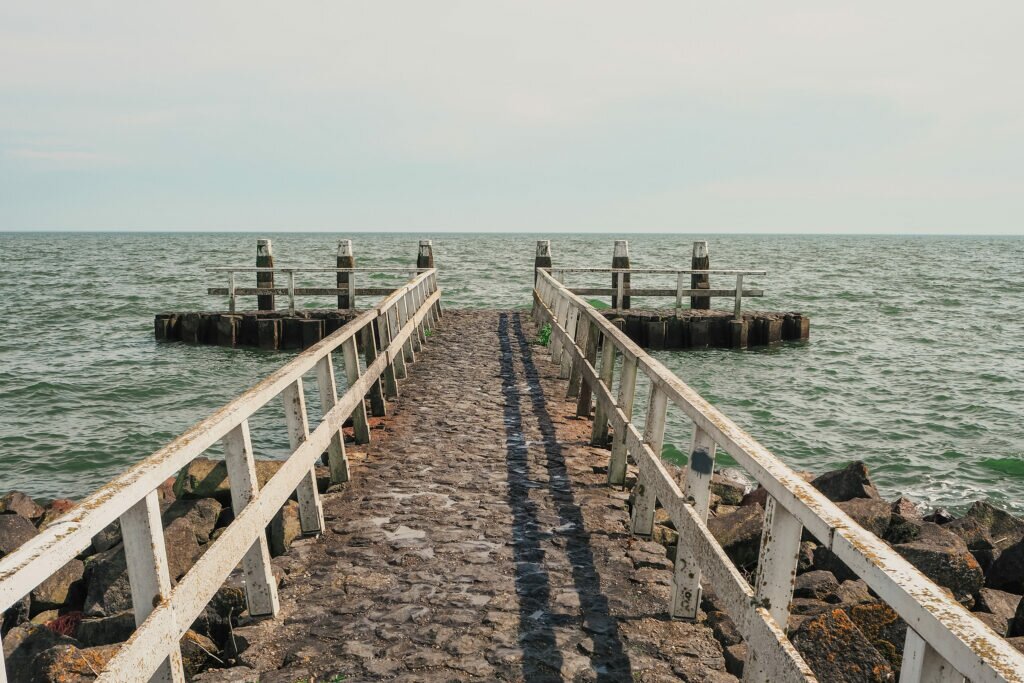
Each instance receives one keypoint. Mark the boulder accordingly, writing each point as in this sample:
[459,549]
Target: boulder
[14,531]
[17,503]
[15,615]
[24,643]
[106,630]
[739,534]
[1016,627]
[108,591]
[206,478]
[871,513]
[999,603]
[108,537]
[853,592]
[201,514]
[816,585]
[826,560]
[284,528]
[55,510]
[1017,642]
[837,651]
[944,558]
[850,482]
[939,516]
[987,531]
[62,587]
[882,627]
[902,529]
[728,484]
[996,623]
[67,663]
[197,653]
[1007,571]
[904,507]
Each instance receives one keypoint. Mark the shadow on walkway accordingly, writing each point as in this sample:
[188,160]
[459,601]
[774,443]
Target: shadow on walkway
[542,658]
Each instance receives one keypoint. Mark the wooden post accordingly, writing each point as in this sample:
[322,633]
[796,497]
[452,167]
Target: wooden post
[543,257]
[148,574]
[700,261]
[571,326]
[776,566]
[425,256]
[576,369]
[627,392]
[403,317]
[383,327]
[644,501]
[392,320]
[360,425]
[922,664]
[686,591]
[311,512]
[377,406]
[583,404]
[264,259]
[599,431]
[346,259]
[620,281]
[260,584]
[337,459]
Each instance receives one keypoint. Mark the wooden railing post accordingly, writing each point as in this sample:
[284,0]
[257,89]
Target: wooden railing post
[421,326]
[411,306]
[686,591]
[572,322]
[627,392]
[576,363]
[922,664]
[403,317]
[337,460]
[148,574]
[392,320]
[738,303]
[265,259]
[599,431]
[700,261]
[377,406]
[644,501]
[620,281]
[360,425]
[383,327]
[260,584]
[311,513]
[542,259]
[776,573]
[583,404]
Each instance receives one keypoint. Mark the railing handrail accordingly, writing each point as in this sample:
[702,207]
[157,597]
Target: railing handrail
[24,569]
[943,626]
[672,271]
[276,269]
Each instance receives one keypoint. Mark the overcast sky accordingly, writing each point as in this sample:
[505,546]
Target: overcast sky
[789,116]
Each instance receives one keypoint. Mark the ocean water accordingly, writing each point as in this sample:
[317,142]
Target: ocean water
[915,363]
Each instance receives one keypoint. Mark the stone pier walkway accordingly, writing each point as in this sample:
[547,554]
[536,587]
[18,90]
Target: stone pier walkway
[477,541]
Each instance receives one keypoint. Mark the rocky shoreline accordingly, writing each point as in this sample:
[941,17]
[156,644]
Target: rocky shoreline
[73,622]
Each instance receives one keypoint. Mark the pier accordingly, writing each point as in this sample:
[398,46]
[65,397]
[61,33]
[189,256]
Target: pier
[493,509]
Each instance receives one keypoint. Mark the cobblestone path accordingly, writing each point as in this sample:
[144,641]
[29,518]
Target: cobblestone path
[478,541]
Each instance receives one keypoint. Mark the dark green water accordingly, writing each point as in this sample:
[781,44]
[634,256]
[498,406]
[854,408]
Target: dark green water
[915,365]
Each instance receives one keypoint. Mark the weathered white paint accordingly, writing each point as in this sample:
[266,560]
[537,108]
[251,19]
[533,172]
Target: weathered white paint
[661,291]
[311,513]
[260,585]
[146,557]
[383,328]
[922,664]
[360,423]
[738,305]
[686,590]
[953,633]
[627,392]
[599,433]
[337,459]
[654,434]
[544,248]
[565,369]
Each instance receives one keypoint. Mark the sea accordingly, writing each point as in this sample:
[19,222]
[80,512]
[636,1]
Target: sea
[915,363]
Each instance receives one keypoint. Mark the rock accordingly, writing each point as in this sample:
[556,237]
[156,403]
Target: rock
[739,534]
[106,630]
[724,628]
[902,529]
[63,586]
[847,483]
[996,623]
[17,503]
[70,664]
[55,510]
[1016,627]
[197,653]
[805,560]
[729,486]
[236,674]
[987,531]
[904,507]
[759,496]
[816,585]
[107,589]
[1017,642]
[284,528]
[1007,572]
[206,478]
[837,651]
[944,558]
[14,531]
[107,538]
[735,658]
[44,618]
[24,643]
[939,516]
[201,514]
[853,592]
[882,626]
[182,547]
[15,615]
[1000,603]
[826,560]
[871,513]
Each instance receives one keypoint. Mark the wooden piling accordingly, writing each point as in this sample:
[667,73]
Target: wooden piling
[425,257]
[264,259]
[268,332]
[346,259]
[700,261]
[739,331]
[620,259]
[543,257]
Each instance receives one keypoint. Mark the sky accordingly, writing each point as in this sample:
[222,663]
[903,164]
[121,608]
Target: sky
[789,116]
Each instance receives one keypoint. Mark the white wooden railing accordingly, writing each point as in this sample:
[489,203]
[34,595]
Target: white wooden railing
[623,287]
[162,614]
[944,641]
